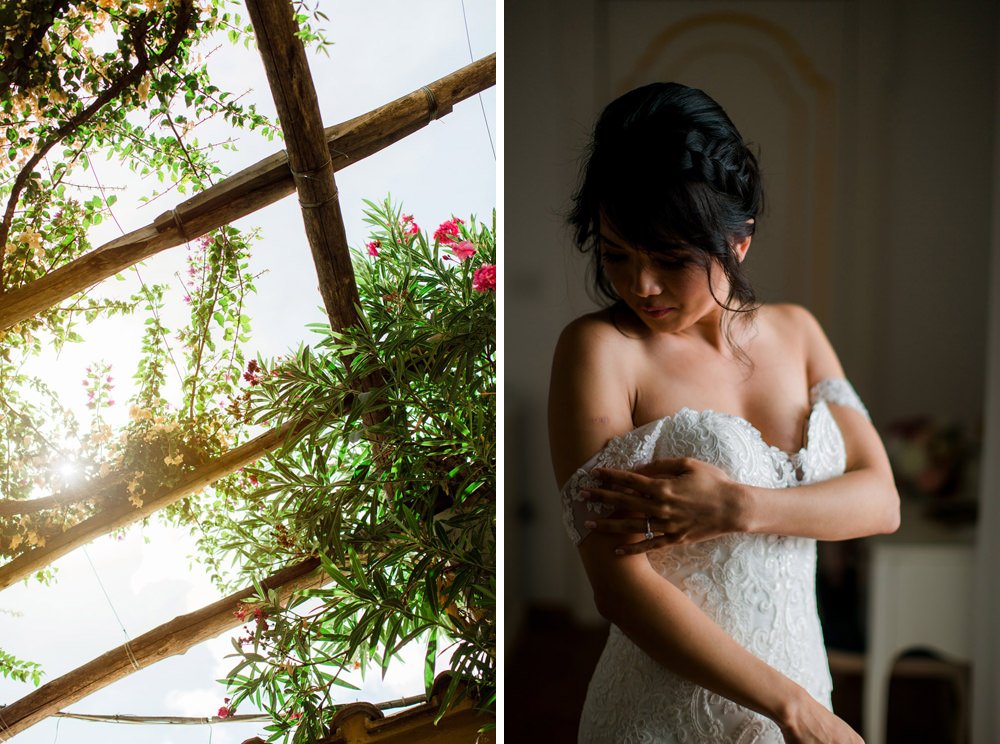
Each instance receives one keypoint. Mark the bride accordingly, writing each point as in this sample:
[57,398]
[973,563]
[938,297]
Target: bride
[704,442]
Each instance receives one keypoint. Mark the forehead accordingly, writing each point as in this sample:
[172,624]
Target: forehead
[608,237]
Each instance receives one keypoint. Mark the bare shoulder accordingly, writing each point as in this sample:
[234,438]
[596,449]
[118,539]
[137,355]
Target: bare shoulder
[800,327]
[590,333]
[589,391]
[789,319]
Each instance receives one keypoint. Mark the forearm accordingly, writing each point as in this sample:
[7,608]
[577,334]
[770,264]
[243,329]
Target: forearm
[660,619]
[856,504]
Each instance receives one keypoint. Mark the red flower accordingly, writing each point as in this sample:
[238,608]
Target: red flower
[413,229]
[224,712]
[463,250]
[373,247]
[485,278]
[407,218]
[447,231]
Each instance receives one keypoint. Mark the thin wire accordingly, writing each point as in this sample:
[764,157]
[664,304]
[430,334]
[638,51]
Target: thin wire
[145,289]
[486,121]
[128,649]
[56,737]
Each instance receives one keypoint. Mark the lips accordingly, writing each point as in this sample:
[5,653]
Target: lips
[654,311]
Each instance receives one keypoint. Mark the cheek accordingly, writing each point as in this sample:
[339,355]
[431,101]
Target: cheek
[615,272]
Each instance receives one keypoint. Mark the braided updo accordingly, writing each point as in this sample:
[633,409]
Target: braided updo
[670,172]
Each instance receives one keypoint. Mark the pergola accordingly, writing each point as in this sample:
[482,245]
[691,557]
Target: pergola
[307,166]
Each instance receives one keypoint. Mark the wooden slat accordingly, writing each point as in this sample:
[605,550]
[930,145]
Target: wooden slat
[119,512]
[169,639]
[246,191]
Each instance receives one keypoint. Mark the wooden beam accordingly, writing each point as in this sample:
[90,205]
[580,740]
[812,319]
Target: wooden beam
[294,95]
[85,492]
[169,639]
[246,191]
[120,512]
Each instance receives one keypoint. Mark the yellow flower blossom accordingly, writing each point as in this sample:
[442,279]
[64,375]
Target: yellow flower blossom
[177,460]
[15,541]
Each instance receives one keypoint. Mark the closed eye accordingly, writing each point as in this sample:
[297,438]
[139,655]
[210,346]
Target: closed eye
[612,257]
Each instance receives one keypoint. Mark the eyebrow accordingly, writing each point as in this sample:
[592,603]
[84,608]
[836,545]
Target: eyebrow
[609,241]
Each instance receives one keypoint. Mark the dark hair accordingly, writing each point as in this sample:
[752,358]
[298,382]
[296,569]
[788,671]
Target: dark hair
[669,171]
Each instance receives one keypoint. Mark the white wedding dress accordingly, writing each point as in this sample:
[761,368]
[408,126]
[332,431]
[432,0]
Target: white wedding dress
[759,588]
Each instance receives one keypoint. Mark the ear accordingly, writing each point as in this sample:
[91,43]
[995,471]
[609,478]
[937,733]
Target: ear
[740,248]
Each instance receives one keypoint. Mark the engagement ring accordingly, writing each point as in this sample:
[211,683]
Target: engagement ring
[649,530]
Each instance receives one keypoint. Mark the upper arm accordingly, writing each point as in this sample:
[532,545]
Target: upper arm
[590,402]
[589,395]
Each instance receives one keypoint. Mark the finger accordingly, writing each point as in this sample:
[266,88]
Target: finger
[623,479]
[625,501]
[622,526]
[660,541]
[663,540]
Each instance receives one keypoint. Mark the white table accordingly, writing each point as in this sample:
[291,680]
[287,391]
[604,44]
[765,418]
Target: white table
[920,594]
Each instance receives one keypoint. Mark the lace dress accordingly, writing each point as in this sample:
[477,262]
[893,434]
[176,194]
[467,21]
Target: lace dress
[759,588]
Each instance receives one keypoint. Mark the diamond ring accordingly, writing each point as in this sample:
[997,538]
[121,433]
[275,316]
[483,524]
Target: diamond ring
[649,530]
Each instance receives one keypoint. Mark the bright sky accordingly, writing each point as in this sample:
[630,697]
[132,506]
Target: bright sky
[383,49]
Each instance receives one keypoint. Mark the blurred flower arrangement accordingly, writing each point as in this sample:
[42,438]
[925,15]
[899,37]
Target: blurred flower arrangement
[937,461]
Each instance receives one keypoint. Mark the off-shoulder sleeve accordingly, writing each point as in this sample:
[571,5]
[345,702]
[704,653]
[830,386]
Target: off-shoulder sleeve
[625,452]
[840,392]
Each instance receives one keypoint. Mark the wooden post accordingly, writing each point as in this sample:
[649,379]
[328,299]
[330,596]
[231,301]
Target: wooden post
[245,192]
[294,96]
[169,639]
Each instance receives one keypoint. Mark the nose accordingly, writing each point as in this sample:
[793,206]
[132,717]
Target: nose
[645,282]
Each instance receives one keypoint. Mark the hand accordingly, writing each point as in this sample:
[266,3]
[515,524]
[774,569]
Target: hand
[685,501]
[811,723]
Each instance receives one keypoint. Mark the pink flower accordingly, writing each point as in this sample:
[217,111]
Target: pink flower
[224,712]
[447,231]
[463,250]
[373,247]
[409,226]
[294,716]
[485,278]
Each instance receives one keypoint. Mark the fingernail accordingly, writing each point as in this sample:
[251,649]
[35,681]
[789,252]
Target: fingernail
[586,494]
[590,525]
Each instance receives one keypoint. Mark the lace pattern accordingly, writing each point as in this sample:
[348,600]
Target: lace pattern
[759,588]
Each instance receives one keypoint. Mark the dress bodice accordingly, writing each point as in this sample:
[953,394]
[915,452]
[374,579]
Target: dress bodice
[760,589]
[723,439]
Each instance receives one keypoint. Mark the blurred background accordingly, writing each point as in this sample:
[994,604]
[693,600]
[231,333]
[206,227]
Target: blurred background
[874,121]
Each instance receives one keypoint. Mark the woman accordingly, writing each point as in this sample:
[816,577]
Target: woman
[704,443]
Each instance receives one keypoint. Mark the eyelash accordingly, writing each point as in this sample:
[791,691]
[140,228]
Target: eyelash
[667,265]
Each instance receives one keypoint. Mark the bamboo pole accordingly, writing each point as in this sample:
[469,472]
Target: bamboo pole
[119,512]
[171,638]
[247,191]
[294,95]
